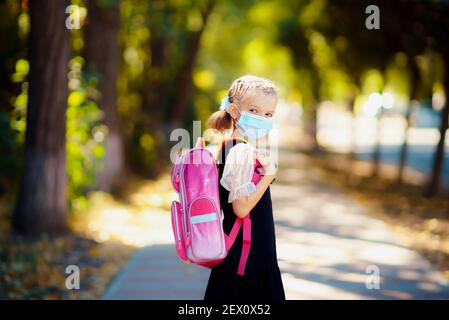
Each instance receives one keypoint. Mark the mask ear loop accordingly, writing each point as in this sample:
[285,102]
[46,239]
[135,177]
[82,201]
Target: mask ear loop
[236,121]
[240,113]
[225,104]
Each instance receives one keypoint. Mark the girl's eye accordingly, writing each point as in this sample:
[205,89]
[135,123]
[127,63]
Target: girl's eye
[269,115]
[253,110]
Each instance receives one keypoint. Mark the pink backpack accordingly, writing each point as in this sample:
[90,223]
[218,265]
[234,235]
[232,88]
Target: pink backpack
[197,218]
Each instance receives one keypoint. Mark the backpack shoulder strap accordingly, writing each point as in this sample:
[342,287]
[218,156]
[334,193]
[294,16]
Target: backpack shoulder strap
[246,246]
[240,223]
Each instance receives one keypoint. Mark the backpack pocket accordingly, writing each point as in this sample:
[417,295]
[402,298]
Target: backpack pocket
[178,230]
[205,229]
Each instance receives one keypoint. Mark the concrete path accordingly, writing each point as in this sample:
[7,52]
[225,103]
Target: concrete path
[328,248]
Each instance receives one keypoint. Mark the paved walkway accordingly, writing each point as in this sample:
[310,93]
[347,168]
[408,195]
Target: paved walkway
[328,248]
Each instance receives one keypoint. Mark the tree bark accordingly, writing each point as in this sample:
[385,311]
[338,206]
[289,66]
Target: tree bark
[311,114]
[376,153]
[435,176]
[185,86]
[353,142]
[153,93]
[102,54]
[41,204]
[408,117]
[153,90]
[312,128]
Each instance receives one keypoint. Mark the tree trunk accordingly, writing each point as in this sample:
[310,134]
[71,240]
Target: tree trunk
[376,153]
[408,116]
[353,143]
[311,115]
[311,127]
[313,124]
[153,94]
[102,54]
[153,88]
[41,204]
[435,176]
[185,86]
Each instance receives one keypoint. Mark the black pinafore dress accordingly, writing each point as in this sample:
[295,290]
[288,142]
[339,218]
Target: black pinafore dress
[262,279]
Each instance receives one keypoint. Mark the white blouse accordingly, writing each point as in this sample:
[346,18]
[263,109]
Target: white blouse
[238,171]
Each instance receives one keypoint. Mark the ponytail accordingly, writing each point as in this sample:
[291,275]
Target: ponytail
[220,120]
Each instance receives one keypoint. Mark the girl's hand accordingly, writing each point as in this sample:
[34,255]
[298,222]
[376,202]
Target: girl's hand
[244,205]
[269,166]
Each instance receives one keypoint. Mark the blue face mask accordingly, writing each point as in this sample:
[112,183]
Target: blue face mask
[254,126]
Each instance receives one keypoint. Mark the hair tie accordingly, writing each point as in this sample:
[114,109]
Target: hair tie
[225,103]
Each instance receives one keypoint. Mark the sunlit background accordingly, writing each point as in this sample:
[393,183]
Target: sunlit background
[369,108]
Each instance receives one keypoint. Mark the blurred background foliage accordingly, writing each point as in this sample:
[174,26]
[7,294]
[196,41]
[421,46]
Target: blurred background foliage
[363,99]
[176,58]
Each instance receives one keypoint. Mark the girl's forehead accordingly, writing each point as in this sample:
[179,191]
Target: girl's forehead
[259,99]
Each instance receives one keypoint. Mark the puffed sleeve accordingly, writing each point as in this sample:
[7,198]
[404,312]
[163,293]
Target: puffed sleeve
[238,172]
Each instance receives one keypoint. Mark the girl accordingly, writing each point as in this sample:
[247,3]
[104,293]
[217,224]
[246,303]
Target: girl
[247,111]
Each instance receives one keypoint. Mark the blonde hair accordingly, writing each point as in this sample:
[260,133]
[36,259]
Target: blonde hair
[221,120]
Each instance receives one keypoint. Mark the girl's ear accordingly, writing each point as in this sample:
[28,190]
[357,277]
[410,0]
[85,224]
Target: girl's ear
[234,111]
